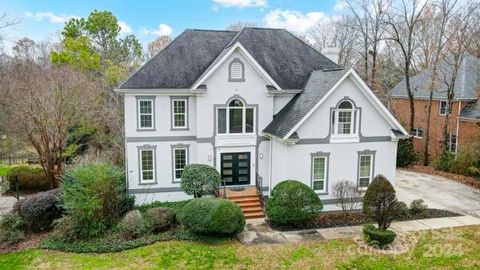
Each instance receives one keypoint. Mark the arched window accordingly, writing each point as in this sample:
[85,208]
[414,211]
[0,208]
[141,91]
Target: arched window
[344,119]
[235,118]
[236,71]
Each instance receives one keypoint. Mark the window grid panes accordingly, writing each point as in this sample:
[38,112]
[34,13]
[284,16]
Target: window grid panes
[180,161]
[235,119]
[147,165]
[179,113]
[344,119]
[444,106]
[145,112]
[452,143]
[365,172]
[319,171]
[344,122]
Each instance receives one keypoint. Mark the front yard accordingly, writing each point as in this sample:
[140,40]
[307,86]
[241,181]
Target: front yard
[439,249]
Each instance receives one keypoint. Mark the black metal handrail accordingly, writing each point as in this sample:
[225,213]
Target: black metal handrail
[259,185]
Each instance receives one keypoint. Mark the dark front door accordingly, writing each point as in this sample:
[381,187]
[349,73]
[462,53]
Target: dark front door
[235,168]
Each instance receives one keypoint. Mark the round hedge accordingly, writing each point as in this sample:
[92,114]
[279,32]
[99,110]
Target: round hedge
[379,202]
[212,216]
[293,202]
[200,179]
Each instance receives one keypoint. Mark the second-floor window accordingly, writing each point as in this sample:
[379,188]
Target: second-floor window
[444,106]
[145,107]
[344,119]
[236,118]
[417,133]
[179,113]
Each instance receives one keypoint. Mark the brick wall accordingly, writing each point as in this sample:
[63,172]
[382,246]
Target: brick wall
[468,135]
[401,110]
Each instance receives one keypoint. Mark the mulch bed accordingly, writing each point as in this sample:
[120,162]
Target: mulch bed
[467,180]
[355,218]
[30,241]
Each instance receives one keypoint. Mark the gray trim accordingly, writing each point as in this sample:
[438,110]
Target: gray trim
[187,113]
[154,149]
[154,190]
[326,140]
[179,139]
[173,148]
[365,152]
[152,98]
[325,155]
[236,60]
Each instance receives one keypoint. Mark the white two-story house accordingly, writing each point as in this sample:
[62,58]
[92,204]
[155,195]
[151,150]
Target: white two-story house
[259,105]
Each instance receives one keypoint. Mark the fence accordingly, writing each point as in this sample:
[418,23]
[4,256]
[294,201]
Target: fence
[9,160]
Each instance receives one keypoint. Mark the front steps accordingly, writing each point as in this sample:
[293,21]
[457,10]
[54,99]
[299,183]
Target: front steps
[248,199]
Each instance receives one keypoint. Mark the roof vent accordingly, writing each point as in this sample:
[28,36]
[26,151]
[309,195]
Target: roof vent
[331,53]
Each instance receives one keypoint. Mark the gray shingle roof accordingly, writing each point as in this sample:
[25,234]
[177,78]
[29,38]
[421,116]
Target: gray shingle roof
[287,59]
[471,111]
[317,86]
[466,86]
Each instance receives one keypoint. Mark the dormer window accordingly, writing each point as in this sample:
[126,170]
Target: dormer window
[236,71]
[344,120]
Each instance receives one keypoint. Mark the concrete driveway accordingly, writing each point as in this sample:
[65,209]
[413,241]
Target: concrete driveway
[438,192]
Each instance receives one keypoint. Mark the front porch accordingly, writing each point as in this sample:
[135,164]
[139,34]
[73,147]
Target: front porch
[248,198]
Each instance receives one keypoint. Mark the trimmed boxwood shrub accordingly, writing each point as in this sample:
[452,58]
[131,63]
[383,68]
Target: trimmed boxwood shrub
[30,178]
[293,202]
[132,225]
[159,218]
[200,179]
[11,228]
[377,237]
[213,216]
[95,197]
[40,210]
[380,201]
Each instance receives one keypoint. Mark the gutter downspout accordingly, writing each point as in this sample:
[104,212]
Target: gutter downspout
[458,125]
[270,168]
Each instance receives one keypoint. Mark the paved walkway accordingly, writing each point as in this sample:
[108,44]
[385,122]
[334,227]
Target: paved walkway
[258,232]
[438,192]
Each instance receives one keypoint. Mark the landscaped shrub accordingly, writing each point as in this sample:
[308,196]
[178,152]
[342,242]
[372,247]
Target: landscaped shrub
[159,218]
[293,202]
[66,229]
[418,207]
[378,237]
[132,224]
[213,216]
[95,197]
[40,210]
[400,210]
[200,179]
[379,202]
[11,228]
[30,178]
[175,206]
[405,153]
[444,162]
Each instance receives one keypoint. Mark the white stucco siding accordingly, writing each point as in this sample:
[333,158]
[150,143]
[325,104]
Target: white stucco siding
[294,162]
[372,122]
[162,116]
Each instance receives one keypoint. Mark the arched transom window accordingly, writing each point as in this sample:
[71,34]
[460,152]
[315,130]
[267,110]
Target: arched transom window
[236,71]
[344,119]
[235,118]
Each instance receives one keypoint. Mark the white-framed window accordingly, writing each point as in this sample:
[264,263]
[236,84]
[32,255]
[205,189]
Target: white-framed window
[147,165]
[179,113]
[236,118]
[344,119]
[180,160]
[452,143]
[236,71]
[145,112]
[417,133]
[319,174]
[444,106]
[365,170]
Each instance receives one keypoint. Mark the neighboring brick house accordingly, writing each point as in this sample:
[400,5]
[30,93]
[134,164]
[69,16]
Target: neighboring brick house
[464,121]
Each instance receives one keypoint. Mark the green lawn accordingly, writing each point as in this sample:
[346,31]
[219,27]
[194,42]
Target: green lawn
[442,249]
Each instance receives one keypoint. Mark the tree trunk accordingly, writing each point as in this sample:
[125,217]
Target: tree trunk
[411,101]
[427,131]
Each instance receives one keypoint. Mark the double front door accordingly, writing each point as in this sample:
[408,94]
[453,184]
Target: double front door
[235,168]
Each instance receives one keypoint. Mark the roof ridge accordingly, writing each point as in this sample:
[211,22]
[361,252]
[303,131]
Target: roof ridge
[209,30]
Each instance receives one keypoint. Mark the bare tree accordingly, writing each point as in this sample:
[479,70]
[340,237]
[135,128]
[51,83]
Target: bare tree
[403,23]
[442,13]
[347,194]
[158,44]
[6,22]
[43,104]
[237,26]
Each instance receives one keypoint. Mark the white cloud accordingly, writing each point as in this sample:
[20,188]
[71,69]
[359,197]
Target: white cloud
[340,5]
[162,30]
[125,28]
[294,20]
[53,18]
[241,3]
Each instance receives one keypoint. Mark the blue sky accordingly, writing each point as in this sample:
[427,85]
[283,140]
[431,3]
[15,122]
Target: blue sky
[147,19]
